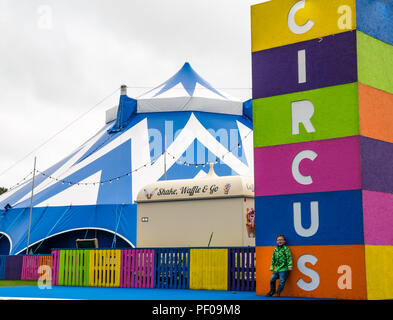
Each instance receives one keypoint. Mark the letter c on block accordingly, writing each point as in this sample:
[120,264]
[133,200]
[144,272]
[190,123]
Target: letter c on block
[305,154]
[293,26]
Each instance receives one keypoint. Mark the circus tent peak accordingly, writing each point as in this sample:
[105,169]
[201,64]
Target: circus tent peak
[188,91]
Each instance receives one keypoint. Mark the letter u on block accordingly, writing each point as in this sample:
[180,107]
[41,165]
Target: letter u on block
[293,26]
[297,219]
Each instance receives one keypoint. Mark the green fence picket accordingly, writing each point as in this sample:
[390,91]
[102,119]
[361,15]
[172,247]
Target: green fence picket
[61,268]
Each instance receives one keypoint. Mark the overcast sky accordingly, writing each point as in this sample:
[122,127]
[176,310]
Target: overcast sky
[60,58]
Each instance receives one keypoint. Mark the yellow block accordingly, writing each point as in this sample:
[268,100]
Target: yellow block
[281,22]
[379,266]
[209,269]
[104,268]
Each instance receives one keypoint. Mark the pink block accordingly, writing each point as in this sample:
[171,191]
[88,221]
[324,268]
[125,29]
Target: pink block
[336,167]
[378,218]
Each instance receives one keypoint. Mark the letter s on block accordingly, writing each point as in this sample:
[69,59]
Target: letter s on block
[305,154]
[293,26]
[301,264]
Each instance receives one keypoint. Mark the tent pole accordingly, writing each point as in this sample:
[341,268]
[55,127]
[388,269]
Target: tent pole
[165,156]
[31,206]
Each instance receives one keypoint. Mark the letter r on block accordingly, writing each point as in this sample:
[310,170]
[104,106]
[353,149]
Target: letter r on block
[302,112]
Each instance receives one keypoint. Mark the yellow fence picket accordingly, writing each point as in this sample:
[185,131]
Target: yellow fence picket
[209,269]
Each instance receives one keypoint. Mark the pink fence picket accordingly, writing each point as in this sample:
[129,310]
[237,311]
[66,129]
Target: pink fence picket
[30,267]
[137,268]
[55,267]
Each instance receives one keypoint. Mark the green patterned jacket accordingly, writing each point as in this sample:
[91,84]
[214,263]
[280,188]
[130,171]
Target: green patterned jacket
[282,259]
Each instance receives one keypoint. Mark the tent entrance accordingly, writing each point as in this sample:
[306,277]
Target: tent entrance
[67,240]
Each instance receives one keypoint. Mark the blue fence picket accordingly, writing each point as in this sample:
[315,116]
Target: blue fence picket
[241,269]
[3,261]
[172,268]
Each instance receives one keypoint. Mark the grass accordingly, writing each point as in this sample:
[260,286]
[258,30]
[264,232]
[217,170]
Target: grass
[17,283]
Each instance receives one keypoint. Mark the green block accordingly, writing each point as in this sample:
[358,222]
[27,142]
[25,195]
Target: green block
[335,115]
[375,62]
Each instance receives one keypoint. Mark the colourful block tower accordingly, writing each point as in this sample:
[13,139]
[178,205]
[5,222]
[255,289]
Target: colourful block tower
[323,144]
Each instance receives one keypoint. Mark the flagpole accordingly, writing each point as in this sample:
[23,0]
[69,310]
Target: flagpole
[31,206]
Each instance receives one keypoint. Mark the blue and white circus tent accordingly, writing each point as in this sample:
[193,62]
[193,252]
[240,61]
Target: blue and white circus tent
[91,192]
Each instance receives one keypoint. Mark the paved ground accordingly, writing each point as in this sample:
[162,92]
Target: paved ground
[90,293]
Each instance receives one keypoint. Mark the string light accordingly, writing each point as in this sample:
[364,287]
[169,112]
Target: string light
[20,182]
[188,164]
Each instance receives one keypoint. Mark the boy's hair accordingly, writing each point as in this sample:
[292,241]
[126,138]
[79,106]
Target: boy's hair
[280,235]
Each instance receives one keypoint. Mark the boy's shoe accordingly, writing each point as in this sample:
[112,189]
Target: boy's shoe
[270,293]
[277,294]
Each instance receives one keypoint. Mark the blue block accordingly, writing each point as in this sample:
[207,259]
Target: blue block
[340,219]
[375,18]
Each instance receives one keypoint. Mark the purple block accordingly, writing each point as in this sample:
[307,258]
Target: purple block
[329,61]
[377,165]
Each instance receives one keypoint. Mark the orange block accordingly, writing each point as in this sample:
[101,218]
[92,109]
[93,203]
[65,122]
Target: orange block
[335,272]
[375,113]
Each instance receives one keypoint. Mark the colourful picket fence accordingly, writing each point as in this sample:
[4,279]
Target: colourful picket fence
[73,268]
[104,268]
[172,268]
[241,269]
[209,269]
[137,268]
